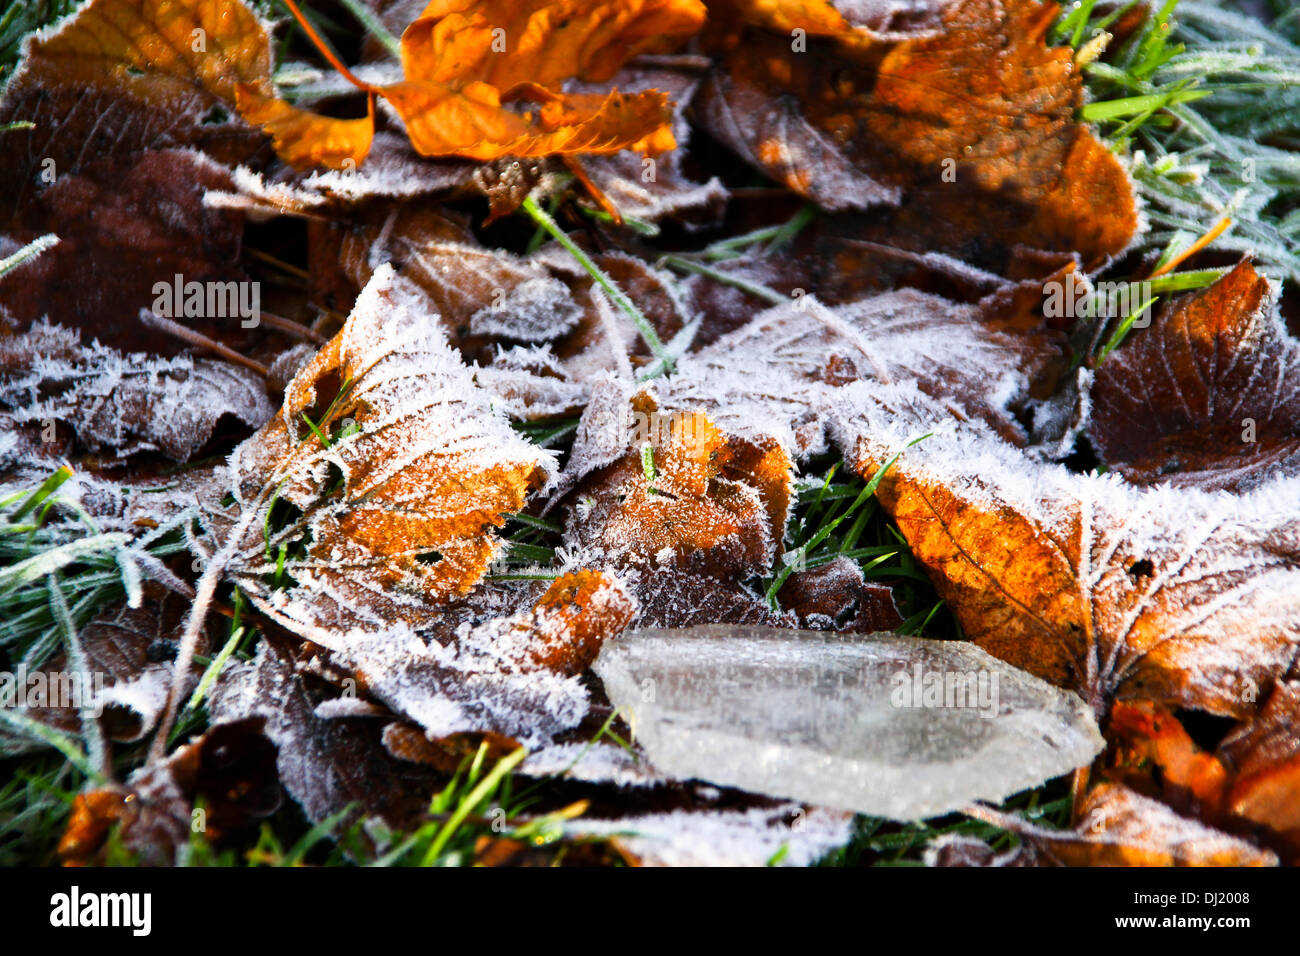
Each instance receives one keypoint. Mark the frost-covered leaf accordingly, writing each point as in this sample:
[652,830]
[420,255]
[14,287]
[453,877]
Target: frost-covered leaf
[652,189]
[124,403]
[516,675]
[459,84]
[1173,595]
[789,833]
[395,469]
[688,498]
[1117,827]
[778,375]
[122,77]
[1208,397]
[326,764]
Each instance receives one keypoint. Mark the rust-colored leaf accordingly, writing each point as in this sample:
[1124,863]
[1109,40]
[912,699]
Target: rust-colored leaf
[1121,828]
[970,133]
[689,498]
[1176,596]
[398,469]
[466,61]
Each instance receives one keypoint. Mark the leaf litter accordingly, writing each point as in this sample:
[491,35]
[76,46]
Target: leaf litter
[430,566]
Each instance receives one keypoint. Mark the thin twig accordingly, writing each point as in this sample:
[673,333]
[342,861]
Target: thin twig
[194,337]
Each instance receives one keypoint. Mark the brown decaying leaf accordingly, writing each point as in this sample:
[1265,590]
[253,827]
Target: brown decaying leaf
[398,478]
[1208,396]
[124,403]
[835,596]
[1118,828]
[515,675]
[325,763]
[123,77]
[1172,595]
[127,221]
[130,650]
[231,769]
[971,133]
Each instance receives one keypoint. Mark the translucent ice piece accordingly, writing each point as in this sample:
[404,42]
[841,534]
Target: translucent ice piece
[901,727]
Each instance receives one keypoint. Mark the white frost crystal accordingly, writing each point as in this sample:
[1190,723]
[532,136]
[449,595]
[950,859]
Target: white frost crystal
[900,727]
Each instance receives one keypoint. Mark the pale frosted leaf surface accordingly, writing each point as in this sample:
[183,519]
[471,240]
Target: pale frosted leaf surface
[398,487]
[518,675]
[536,310]
[1117,827]
[124,403]
[890,726]
[1172,594]
[777,375]
[750,837]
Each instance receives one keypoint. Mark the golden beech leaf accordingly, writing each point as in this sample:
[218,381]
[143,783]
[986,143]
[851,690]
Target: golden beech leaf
[393,468]
[1117,827]
[1173,595]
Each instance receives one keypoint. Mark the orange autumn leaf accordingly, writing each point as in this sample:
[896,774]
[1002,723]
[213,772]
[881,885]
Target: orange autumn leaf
[1172,595]
[691,498]
[1251,782]
[1117,827]
[969,132]
[464,61]
[398,468]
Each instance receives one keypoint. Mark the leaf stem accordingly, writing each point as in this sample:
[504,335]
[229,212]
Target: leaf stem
[616,294]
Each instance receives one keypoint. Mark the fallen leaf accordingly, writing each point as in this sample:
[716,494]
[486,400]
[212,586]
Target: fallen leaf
[127,223]
[689,498]
[971,133]
[219,784]
[124,404]
[1206,396]
[397,468]
[835,596]
[464,61]
[516,675]
[130,651]
[1120,828]
[778,375]
[1173,595]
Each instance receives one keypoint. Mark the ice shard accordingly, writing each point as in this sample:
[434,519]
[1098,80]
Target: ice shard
[900,727]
